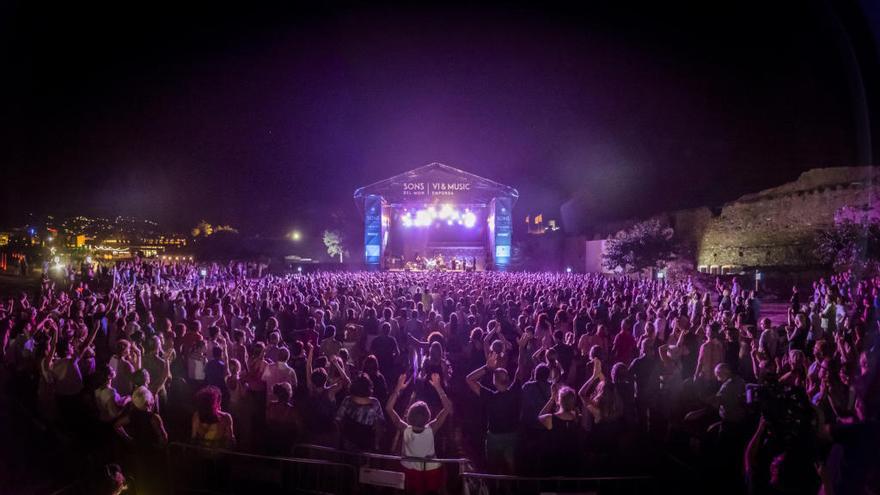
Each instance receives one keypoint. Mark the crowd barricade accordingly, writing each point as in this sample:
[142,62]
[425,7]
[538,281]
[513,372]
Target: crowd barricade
[383,473]
[492,484]
[194,469]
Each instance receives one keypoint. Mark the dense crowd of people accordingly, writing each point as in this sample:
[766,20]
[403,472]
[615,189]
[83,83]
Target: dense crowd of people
[538,374]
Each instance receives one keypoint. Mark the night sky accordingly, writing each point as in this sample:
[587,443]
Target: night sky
[271,116]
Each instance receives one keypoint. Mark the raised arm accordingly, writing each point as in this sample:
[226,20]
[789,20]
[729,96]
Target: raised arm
[587,389]
[309,358]
[438,421]
[699,369]
[751,455]
[522,365]
[86,343]
[402,382]
[473,379]
[53,342]
[487,342]
[342,374]
[545,417]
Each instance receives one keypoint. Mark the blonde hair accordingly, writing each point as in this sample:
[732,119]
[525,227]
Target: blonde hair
[142,398]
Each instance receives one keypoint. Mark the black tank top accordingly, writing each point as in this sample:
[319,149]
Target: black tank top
[563,454]
[140,428]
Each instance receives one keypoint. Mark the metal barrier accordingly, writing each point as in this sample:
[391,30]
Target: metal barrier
[492,484]
[389,463]
[193,469]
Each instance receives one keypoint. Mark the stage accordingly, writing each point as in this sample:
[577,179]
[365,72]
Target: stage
[437,212]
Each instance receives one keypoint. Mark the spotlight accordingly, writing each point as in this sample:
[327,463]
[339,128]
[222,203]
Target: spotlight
[423,218]
[295,235]
[203,272]
[56,259]
[406,220]
[299,269]
[446,212]
[568,270]
[469,219]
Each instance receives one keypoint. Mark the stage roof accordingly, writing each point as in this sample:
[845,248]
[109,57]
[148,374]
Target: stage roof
[437,183]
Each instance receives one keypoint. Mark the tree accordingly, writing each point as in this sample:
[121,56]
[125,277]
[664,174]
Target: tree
[644,245]
[335,242]
[205,229]
[850,245]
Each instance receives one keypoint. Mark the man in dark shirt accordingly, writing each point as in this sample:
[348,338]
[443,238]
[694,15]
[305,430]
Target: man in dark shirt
[384,347]
[563,348]
[215,372]
[498,403]
[534,396]
[645,375]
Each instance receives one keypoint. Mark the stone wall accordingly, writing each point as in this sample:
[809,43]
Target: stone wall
[776,227]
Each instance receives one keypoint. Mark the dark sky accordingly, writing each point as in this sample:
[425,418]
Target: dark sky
[266,117]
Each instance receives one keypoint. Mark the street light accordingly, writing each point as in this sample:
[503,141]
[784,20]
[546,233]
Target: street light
[295,235]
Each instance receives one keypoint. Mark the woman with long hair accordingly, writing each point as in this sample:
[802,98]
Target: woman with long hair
[564,423]
[283,422]
[321,408]
[211,427]
[380,385]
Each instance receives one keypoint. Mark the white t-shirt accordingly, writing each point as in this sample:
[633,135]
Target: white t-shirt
[68,379]
[196,367]
[419,444]
[278,372]
[107,401]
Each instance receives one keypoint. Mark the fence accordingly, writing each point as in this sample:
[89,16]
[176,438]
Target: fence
[377,471]
[193,469]
[492,484]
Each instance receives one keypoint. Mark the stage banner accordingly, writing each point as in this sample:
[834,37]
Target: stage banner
[437,183]
[503,233]
[373,231]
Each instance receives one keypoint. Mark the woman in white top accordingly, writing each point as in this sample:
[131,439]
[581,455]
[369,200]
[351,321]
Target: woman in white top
[418,437]
[107,401]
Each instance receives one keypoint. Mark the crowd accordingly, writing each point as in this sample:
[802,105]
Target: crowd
[538,374]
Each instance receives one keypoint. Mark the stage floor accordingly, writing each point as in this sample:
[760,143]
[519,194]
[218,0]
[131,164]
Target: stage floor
[420,270]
